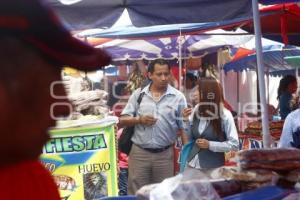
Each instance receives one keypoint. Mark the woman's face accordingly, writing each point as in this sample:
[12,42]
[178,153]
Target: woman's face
[292,88]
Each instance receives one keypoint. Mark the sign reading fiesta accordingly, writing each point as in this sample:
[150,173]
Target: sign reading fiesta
[75,144]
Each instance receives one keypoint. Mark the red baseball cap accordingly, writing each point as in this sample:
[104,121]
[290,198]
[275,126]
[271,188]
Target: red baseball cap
[36,23]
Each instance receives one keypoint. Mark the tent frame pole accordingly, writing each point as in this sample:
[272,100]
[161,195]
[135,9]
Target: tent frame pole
[267,141]
[180,60]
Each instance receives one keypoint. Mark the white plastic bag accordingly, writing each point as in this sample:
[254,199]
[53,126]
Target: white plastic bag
[191,184]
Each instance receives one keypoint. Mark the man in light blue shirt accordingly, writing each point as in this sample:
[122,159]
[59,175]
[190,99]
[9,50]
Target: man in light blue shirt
[157,120]
[290,136]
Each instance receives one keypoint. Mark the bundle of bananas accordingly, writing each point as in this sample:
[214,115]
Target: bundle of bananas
[136,78]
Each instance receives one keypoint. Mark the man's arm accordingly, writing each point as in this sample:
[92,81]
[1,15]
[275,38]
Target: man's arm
[127,120]
[128,116]
[146,120]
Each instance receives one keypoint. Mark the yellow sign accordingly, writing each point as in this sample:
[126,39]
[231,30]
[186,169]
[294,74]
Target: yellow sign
[83,162]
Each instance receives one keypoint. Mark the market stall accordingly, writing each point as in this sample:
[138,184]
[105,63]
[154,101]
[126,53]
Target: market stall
[81,153]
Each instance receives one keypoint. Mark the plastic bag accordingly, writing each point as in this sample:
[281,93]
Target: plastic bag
[186,149]
[191,184]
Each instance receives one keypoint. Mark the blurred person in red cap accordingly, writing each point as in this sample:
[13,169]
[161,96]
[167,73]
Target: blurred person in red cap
[34,47]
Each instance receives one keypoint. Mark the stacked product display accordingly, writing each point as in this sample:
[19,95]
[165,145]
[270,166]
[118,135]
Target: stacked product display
[255,129]
[90,102]
[88,106]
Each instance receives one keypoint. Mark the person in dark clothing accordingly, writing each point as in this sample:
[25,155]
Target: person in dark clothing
[287,87]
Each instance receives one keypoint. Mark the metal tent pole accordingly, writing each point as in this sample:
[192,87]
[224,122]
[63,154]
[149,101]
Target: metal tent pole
[267,141]
[180,61]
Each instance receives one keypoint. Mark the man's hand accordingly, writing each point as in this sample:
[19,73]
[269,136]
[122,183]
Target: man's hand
[186,113]
[147,120]
[202,143]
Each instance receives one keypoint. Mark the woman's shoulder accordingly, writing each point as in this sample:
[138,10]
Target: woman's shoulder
[226,114]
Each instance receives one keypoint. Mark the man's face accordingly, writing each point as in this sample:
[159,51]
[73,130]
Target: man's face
[160,76]
[27,111]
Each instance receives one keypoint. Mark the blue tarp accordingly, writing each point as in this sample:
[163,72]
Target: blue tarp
[262,193]
[88,14]
[273,61]
[191,46]
[159,30]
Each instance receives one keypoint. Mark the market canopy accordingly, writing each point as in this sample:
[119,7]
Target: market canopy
[88,14]
[293,60]
[132,32]
[191,46]
[274,54]
[282,25]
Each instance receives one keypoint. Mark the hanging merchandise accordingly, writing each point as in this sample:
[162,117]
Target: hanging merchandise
[193,63]
[136,79]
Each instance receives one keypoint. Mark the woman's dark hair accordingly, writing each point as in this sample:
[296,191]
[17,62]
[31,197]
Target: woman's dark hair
[284,83]
[210,105]
[157,61]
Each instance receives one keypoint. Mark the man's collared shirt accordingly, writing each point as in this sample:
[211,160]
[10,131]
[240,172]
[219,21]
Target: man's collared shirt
[291,125]
[167,110]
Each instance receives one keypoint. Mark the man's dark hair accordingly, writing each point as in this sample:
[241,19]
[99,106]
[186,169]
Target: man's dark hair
[157,61]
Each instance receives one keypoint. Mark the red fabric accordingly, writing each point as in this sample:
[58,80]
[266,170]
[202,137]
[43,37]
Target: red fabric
[175,72]
[122,157]
[27,181]
[118,108]
[242,52]
[271,23]
[283,26]
[123,160]
[284,21]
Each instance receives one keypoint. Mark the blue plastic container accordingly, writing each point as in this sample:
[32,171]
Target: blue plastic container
[120,198]
[263,193]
